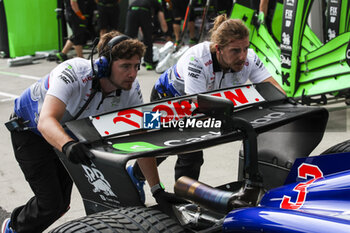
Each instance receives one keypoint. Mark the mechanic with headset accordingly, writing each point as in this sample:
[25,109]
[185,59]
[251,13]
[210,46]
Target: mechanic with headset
[72,90]
[223,62]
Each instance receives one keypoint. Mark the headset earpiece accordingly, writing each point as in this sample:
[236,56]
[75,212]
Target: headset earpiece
[103,67]
[104,63]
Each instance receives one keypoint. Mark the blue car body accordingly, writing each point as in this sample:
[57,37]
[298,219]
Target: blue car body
[315,198]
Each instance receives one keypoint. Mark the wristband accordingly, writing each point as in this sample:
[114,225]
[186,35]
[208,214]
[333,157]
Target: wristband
[65,146]
[157,187]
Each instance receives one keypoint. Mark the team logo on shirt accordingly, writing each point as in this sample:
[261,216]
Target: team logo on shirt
[257,61]
[208,63]
[193,75]
[86,79]
[67,75]
[194,70]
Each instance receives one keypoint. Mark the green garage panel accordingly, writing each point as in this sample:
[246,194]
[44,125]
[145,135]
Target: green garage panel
[31,26]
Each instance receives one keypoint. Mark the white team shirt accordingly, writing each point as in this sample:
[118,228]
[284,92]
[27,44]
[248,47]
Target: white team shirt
[71,82]
[200,71]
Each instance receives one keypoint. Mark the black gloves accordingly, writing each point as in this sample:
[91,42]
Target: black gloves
[77,152]
[165,201]
[164,197]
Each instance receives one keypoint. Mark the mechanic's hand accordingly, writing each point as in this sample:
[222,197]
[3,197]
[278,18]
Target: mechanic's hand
[77,152]
[164,197]
[165,201]
[261,17]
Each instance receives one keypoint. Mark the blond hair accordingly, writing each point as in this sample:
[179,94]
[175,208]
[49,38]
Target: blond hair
[226,30]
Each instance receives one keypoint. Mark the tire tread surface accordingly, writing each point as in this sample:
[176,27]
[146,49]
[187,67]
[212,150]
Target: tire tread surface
[123,219]
[338,148]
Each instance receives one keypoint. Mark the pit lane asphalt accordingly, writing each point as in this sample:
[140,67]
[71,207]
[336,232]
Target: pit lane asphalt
[220,164]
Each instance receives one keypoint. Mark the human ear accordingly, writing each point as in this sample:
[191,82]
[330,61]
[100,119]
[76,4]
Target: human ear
[217,48]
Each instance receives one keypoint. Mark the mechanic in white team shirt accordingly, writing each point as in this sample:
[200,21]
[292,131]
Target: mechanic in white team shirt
[60,97]
[223,62]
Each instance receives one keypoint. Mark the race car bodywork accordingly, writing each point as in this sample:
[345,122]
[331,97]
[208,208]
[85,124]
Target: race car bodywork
[317,200]
[271,194]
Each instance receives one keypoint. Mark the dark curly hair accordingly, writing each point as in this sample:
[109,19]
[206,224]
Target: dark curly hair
[125,49]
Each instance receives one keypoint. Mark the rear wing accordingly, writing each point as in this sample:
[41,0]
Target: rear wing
[133,120]
[263,105]
[106,183]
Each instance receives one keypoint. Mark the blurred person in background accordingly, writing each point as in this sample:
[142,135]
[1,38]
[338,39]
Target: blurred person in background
[140,14]
[108,15]
[78,14]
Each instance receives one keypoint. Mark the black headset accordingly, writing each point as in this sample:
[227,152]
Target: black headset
[104,62]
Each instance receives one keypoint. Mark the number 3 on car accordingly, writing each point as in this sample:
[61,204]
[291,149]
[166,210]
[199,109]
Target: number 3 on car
[304,170]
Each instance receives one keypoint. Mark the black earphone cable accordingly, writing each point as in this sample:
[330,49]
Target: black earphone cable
[95,82]
[91,57]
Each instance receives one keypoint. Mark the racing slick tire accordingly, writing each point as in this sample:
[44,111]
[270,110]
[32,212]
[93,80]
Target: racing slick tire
[338,148]
[123,219]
